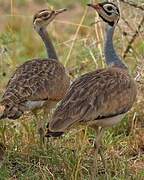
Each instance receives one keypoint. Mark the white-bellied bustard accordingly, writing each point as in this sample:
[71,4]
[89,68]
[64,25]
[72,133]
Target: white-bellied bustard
[38,83]
[101,98]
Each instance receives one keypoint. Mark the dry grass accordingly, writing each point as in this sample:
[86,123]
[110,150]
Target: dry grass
[80,48]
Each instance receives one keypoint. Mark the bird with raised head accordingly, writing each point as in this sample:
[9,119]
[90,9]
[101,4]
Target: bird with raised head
[38,83]
[101,98]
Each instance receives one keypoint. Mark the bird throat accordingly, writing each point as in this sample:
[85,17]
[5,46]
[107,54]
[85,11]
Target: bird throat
[110,23]
[111,57]
[48,44]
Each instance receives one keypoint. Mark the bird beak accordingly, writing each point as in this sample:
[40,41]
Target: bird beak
[60,11]
[95,6]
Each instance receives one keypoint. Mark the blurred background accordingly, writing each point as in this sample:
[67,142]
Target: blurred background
[79,43]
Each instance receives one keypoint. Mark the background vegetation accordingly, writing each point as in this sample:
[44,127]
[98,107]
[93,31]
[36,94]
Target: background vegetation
[80,48]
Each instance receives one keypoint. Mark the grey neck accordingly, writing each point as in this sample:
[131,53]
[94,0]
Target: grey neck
[48,44]
[112,59]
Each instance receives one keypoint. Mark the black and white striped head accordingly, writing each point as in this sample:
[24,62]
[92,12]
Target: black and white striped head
[43,17]
[108,11]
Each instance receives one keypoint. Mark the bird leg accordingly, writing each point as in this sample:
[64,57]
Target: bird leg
[41,133]
[97,150]
[35,113]
[40,126]
[46,116]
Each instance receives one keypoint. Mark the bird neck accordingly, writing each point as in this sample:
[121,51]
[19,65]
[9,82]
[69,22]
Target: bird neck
[48,44]
[111,57]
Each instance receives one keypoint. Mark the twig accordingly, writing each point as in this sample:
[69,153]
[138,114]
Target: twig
[133,4]
[12,7]
[71,23]
[75,36]
[133,38]
[127,23]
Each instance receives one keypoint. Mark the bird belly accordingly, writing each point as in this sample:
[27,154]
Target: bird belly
[30,105]
[108,122]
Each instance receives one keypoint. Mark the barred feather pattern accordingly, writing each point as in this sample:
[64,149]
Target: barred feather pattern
[93,97]
[36,81]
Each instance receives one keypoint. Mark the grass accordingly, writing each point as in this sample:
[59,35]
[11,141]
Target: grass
[80,47]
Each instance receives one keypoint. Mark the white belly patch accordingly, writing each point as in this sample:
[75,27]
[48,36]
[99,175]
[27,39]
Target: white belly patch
[107,122]
[30,105]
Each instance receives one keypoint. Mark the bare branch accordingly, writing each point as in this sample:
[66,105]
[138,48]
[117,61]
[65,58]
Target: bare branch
[133,37]
[141,7]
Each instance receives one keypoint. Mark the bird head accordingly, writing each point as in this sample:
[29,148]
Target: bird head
[108,11]
[43,17]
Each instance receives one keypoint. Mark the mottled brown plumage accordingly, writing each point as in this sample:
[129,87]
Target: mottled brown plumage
[35,81]
[93,97]
[38,82]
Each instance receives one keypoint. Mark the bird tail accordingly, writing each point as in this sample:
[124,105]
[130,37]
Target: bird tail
[49,133]
[53,134]
[2,116]
[13,113]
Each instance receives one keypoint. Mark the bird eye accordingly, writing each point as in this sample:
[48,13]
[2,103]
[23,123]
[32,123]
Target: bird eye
[45,15]
[109,8]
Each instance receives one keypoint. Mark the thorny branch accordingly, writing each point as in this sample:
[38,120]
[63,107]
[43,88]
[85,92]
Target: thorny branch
[133,37]
[141,7]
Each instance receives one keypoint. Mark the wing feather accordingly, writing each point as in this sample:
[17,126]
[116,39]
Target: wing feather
[96,94]
[35,80]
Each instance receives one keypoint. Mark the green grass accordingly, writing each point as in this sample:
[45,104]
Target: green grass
[71,156]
